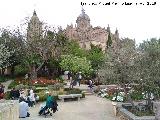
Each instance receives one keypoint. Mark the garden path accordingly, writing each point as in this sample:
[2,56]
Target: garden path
[6,84]
[89,108]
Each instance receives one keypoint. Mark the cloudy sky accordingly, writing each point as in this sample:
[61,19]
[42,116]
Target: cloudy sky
[138,21]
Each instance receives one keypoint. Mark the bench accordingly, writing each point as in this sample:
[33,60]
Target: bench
[70,96]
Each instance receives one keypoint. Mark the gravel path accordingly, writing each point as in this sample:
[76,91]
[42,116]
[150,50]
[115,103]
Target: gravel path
[89,108]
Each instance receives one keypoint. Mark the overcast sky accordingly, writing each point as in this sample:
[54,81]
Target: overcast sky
[139,22]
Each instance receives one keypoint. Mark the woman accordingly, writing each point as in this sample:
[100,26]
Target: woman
[49,101]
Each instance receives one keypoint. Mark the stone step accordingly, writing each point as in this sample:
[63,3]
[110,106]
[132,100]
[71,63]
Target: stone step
[87,92]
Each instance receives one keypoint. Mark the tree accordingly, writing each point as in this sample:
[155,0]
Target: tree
[72,47]
[76,64]
[43,48]
[119,64]
[13,40]
[5,54]
[96,56]
[148,64]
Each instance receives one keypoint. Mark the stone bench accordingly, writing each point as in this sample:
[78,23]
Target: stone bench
[70,96]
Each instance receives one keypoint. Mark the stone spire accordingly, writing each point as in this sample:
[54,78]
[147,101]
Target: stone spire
[83,11]
[34,13]
[34,27]
[116,33]
[108,29]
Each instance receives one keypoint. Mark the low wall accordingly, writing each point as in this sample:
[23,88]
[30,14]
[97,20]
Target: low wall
[126,115]
[9,110]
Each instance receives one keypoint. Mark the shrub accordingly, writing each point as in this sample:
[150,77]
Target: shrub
[40,85]
[136,95]
[12,84]
[20,70]
[60,79]
[73,91]
[56,86]
[43,96]
[39,89]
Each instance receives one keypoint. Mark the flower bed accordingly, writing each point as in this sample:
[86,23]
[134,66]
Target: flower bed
[43,81]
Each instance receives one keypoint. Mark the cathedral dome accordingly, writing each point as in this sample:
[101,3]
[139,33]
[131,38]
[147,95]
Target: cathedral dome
[83,15]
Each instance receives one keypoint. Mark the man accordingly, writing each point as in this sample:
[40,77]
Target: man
[23,109]
[79,78]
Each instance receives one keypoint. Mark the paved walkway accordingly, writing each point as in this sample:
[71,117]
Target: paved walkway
[6,84]
[89,108]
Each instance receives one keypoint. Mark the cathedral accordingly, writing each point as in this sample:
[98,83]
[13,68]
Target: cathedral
[82,32]
[85,34]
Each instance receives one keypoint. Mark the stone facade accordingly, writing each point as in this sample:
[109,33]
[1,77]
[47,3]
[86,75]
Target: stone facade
[82,32]
[34,29]
[85,34]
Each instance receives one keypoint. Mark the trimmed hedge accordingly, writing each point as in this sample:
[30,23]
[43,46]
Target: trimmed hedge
[73,90]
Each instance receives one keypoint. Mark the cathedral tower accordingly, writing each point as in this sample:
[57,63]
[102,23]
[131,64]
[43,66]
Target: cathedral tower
[83,20]
[34,29]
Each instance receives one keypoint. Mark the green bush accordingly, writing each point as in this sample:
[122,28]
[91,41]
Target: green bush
[136,95]
[43,96]
[20,70]
[60,79]
[40,89]
[73,90]
[40,85]
[13,84]
[56,86]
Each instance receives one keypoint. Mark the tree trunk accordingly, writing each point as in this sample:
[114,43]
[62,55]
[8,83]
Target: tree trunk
[33,73]
[149,103]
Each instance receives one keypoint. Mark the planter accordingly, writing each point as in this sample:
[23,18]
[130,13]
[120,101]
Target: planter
[125,114]
[114,108]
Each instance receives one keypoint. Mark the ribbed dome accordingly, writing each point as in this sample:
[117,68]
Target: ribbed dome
[83,15]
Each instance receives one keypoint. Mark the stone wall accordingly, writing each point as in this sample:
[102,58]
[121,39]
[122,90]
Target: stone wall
[9,110]
[124,114]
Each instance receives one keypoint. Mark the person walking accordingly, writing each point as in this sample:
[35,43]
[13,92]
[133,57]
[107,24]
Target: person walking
[32,98]
[79,78]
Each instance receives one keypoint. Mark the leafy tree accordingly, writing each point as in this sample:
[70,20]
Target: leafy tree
[76,64]
[118,67]
[13,40]
[41,49]
[148,64]
[5,54]
[72,47]
[96,56]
